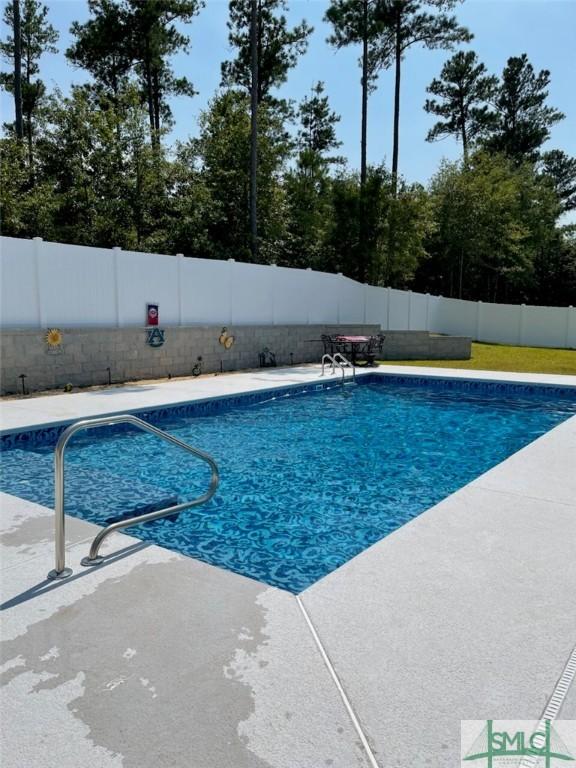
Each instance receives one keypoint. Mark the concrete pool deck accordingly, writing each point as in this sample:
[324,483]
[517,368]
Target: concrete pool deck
[156,659]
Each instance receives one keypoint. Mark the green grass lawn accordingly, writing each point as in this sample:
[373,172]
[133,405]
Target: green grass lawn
[498,357]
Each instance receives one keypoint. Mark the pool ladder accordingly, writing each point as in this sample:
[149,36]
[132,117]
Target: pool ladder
[338,360]
[60,570]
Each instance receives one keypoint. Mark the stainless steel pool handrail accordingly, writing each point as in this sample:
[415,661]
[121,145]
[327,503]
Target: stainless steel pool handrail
[336,363]
[333,363]
[346,363]
[60,570]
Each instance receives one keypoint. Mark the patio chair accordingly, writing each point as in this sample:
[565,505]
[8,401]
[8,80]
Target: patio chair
[329,343]
[374,349]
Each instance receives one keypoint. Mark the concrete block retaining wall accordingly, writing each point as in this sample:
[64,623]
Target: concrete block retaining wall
[421,345]
[85,354]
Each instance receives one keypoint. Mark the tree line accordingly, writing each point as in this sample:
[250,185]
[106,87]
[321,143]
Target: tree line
[262,180]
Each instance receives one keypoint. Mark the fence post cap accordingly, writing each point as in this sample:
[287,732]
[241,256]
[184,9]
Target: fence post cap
[231,259]
[340,274]
[38,239]
[116,248]
[308,269]
[180,255]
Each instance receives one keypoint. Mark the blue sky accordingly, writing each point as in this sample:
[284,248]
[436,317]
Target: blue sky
[544,29]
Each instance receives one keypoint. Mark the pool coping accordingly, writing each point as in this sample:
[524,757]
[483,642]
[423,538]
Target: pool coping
[533,484]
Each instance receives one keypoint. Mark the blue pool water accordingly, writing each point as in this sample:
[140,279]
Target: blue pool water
[308,479]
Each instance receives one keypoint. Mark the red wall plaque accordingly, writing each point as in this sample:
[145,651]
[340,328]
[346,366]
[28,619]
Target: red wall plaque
[152,314]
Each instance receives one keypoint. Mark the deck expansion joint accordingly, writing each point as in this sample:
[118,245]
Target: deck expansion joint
[343,695]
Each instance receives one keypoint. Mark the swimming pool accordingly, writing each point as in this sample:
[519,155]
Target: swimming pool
[310,477]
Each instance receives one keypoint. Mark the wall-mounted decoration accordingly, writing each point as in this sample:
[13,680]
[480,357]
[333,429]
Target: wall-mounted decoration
[226,339]
[155,337]
[152,314]
[53,338]
[267,358]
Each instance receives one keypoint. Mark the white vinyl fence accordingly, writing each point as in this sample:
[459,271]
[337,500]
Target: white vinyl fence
[52,284]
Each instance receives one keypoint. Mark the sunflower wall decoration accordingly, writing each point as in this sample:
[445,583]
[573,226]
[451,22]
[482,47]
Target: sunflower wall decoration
[53,338]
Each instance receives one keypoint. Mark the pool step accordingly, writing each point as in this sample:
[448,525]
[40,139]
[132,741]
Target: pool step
[96,495]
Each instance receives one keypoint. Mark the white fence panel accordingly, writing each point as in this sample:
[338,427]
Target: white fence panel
[292,295]
[499,323]
[77,286]
[545,326]
[147,278]
[323,301]
[398,310]
[205,289]
[434,305]
[351,298]
[19,284]
[418,312]
[376,304]
[251,294]
[456,317]
[571,328]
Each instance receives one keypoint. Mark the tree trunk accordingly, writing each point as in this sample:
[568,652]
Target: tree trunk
[364,129]
[17,70]
[398,57]
[28,119]
[362,261]
[156,102]
[30,147]
[149,97]
[116,92]
[254,129]
[463,133]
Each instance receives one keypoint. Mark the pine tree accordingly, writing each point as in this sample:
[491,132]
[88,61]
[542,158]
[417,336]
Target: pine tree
[407,23]
[136,36]
[464,91]
[37,36]
[523,120]
[222,155]
[103,47]
[278,46]
[266,50]
[17,38]
[317,133]
[308,186]
[560,169]
[358,22]
[155,39]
